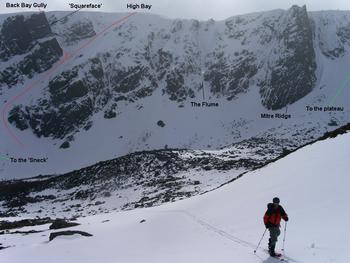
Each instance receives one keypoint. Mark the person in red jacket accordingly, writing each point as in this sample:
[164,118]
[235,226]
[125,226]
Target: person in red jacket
[272,220]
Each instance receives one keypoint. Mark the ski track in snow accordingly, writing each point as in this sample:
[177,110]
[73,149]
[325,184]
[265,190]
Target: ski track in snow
[231,237]
[224,225]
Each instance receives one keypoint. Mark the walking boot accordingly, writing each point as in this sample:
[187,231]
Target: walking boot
[272,251]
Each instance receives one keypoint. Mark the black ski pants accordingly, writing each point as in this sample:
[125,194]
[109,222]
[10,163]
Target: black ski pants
[274,233]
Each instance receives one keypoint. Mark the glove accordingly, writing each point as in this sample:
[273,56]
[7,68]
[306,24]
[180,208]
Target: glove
[267,225]
[286,219]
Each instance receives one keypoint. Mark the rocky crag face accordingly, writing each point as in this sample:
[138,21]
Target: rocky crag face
[272,50]
[292,74]
[27,47]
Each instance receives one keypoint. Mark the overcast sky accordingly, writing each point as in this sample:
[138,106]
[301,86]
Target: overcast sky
[198,9]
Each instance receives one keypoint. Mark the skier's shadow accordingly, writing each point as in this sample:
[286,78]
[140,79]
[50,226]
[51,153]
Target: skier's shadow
[275,260]
[266,260]
[269,260]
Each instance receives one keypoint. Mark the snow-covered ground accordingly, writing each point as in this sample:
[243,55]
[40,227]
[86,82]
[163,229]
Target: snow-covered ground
[223,225]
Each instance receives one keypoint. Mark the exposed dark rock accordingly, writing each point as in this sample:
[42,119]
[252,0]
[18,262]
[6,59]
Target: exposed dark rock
[2,247]
[15,36]
[107,194]
[110,114]
[334,53]
[127,80]
[38,26]
[343,33]
[175,86]
[41,58]
[68,233]
[69,107]
[18,34]
[8,213]
[83,194]
[23,199]
[161,123]
[232,28]
[78,31]
[61,223]
[332,122]
[22,232]
[337,49]
[342,130]
[18,117]
[293,76]
[65,145]
[229,78]
[5,225]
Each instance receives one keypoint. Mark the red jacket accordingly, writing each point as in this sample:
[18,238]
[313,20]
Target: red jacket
[274,215]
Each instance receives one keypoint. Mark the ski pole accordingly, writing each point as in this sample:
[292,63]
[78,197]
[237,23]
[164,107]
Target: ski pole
[284,235]
[260,241]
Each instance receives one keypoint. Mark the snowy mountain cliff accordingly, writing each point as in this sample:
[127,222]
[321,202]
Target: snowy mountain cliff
[138,99]
[76,90]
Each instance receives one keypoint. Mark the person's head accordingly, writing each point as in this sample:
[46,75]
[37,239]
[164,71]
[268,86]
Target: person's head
[276,201]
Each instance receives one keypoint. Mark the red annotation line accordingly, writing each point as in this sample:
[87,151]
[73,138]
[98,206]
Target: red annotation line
[66,57]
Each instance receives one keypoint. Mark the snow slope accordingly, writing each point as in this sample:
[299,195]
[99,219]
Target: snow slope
[223,225]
